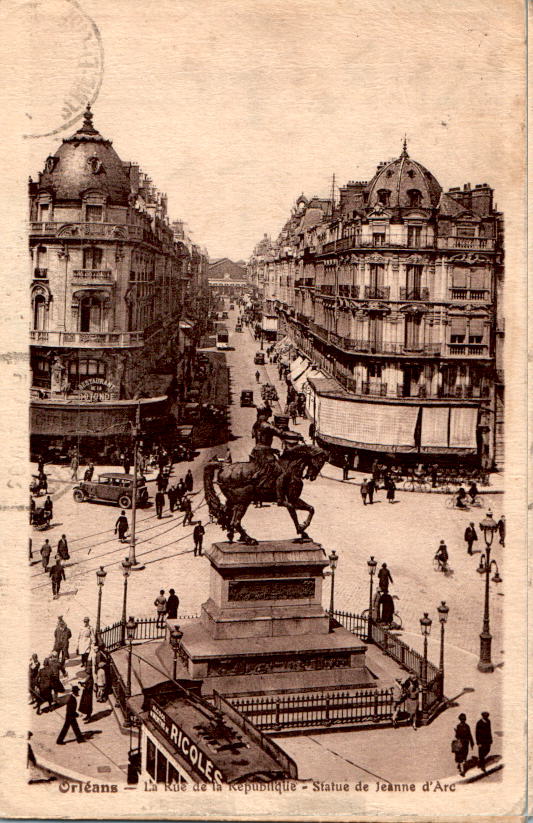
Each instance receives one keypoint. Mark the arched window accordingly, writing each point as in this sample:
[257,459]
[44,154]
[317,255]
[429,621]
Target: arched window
[414,197]
[91,314]
[40,312]
[384,197]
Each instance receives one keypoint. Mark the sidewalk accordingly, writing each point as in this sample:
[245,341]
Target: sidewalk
[330,472]
[385,753]
[104,754]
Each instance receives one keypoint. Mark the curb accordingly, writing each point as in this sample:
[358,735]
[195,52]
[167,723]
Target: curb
[355,482]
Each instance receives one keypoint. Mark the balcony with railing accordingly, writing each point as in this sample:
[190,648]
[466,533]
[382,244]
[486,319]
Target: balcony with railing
[356,242]
[40,274]
[100,231]
[377,292]
[93,275]
[467,350]
[414,293]
[460,293]
[121,340]
[484,243]
[374,389]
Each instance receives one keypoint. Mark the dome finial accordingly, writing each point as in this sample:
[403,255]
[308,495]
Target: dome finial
[404,151]
[88,127]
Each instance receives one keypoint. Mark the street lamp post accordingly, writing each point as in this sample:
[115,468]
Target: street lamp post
[101,575]
[131,626]
[126,569]
[425,628]
[371,570]
[333,560]
[175,640]
[489,528]
[443,610]
[135,566]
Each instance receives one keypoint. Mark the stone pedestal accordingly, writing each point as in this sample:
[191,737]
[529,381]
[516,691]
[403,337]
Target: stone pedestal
[263,629]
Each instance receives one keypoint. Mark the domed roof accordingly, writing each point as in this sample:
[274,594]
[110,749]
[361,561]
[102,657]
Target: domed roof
[404,183]
[86,160]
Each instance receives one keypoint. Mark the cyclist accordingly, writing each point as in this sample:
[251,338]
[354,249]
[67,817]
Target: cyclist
[442,556]
[460,499]
[473,492]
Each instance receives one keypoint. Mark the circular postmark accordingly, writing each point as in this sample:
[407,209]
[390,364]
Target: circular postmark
[67,64]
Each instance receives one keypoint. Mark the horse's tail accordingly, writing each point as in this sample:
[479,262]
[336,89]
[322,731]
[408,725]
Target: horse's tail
[214,505]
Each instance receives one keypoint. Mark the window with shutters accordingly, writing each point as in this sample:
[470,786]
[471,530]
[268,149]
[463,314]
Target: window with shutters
[375,328]
[414,280]
[413,324]
[457,329]
[92,257]
[414,236]
[476,330]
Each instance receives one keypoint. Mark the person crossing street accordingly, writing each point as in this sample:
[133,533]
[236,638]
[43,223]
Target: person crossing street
[198,535]
[71,721]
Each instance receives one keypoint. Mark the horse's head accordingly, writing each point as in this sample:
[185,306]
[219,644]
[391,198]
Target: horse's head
[306,458]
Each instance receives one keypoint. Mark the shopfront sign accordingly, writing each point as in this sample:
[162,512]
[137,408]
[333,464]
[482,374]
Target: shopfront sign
[186,746]
[97,391]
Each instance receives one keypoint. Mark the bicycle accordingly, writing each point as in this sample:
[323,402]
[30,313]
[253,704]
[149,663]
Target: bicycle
[442,566]
[416,484]
[451,503]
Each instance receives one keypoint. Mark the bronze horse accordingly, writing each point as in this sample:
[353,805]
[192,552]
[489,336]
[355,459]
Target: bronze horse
[238,484]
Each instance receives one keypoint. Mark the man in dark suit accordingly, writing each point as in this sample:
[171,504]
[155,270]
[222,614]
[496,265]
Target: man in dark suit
[159,503]
[70,719]
[483,739]
[371,488]
[470,537]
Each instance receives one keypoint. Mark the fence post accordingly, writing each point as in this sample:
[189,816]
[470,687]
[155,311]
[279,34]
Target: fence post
[326,714]
[277,724]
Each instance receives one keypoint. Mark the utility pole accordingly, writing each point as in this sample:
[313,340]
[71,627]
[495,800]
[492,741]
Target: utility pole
[135,566]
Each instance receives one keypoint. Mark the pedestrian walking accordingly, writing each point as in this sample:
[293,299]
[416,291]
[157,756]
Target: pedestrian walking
[398,698]
[32,509]
[57,574]
[189,482]
[345,466]
[172,497]
[470,537]
[48,506]
[391,489]
[461,743]
[293,412]
[412,689]
[44,687]
[74,466]
[386,608]
[126,463]
[257,376]
[62,548]
[121,526]
[186,506]
[160,604]
[86,699]
[375,472]
[384,577]
[71,721]
[101,683]
[312,432]
[371,487]
[198,535]
[501,529]
[182,489]
[364,491]
[173,604]
[62,635]
[33,675]
[43,482]
[441,556]
[159,504]
[483,739]
[54,668]
[86,641]
[46,551]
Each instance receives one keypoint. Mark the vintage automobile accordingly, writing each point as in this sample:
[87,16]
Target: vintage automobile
[183,448]
[247,398]
[259,358]
[238,328]
[111,487]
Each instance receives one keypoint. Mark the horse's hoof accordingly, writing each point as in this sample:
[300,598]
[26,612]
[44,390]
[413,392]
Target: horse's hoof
[304,538]
[250,541]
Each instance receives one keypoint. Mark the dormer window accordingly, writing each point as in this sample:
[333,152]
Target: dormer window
[93,214]
[384,197]
[414,197]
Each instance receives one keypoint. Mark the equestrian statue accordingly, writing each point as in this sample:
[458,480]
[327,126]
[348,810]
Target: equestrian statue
[268,477]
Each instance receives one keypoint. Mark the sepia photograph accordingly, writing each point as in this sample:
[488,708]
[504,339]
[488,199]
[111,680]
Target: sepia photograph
[265,399]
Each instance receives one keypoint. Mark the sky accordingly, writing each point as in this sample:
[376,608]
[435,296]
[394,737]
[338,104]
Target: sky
[235,108]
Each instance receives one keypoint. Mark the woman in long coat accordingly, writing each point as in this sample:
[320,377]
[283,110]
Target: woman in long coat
[464,736]
[86,699]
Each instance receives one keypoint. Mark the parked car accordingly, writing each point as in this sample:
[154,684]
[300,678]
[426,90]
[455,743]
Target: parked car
[238,327]
[259,358]
[111,487]
[247,398]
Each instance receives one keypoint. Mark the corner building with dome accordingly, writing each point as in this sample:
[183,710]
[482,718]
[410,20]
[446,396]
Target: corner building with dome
[113,286]
[391,301]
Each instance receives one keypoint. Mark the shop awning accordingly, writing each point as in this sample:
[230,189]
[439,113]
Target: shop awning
[299,381]
[298,366]
[449,427]
[368,423]
[69,418]
[435,426]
